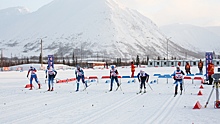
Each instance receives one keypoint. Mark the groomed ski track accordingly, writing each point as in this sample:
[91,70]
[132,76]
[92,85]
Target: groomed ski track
[97,105]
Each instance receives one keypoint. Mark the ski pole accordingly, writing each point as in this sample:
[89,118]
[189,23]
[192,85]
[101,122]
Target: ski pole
[120,87]
[149,86]
[148,83]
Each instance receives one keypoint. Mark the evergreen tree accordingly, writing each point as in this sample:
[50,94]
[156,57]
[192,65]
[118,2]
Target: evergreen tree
[158,58]
[27,60]
[63,61]
[147,60]
[137,61]
[76,61]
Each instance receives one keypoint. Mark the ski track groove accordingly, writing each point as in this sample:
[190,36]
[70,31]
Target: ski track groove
[15,107]
[35,116]
[127,118]
[98,114]
[12,104]
[174,112]
[163,115]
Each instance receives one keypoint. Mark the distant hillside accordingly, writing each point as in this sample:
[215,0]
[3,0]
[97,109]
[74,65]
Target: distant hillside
[87,27]
[196,38]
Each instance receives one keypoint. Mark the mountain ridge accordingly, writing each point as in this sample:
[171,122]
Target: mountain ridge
[197,38]
[99,26]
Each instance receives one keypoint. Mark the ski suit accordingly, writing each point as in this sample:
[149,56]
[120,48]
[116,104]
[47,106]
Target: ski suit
[187,68]
[113,76]
[200,66]
[143,77]
[210,72]
[51,72]
[132,70]
[33,71]
[178,77]
[79,75]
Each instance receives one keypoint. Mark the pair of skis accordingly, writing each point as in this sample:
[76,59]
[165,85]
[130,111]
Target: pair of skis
[141,93]
[145,91]
[86,87]
[117,88]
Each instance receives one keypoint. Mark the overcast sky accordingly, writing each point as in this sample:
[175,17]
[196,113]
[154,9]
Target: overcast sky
[162,12]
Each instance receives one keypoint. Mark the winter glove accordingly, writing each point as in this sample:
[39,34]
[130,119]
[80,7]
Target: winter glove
[27,76]
[46,76]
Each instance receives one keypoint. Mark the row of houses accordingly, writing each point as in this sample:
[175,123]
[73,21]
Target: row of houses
[172,63]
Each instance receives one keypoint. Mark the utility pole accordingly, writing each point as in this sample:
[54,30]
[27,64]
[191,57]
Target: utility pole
[41,54]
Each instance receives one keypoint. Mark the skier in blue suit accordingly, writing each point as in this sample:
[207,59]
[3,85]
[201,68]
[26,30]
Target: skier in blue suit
[33,71]
[142,77]
[113,76]
[51,72]
[178,77]
[79,75]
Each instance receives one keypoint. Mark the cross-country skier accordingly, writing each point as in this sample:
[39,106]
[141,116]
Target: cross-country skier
[33,71]
[113,76]
[178,77]
[142,77]
[51,72]
[79,75]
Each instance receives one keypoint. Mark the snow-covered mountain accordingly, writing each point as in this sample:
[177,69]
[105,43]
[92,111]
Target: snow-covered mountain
[14,11]
[193,37]
[91,26]
[214,29]
[10,16]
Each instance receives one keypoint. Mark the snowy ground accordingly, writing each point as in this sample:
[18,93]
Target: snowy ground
[98,106]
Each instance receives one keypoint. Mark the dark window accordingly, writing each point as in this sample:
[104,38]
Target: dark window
[194,63]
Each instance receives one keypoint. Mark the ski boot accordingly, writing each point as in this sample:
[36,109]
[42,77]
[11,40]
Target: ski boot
[140,91]
[175,94]
[77,87]
[176,88]
[145,91]
[31,87]
[48,88]
[110,90]
[39,86]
